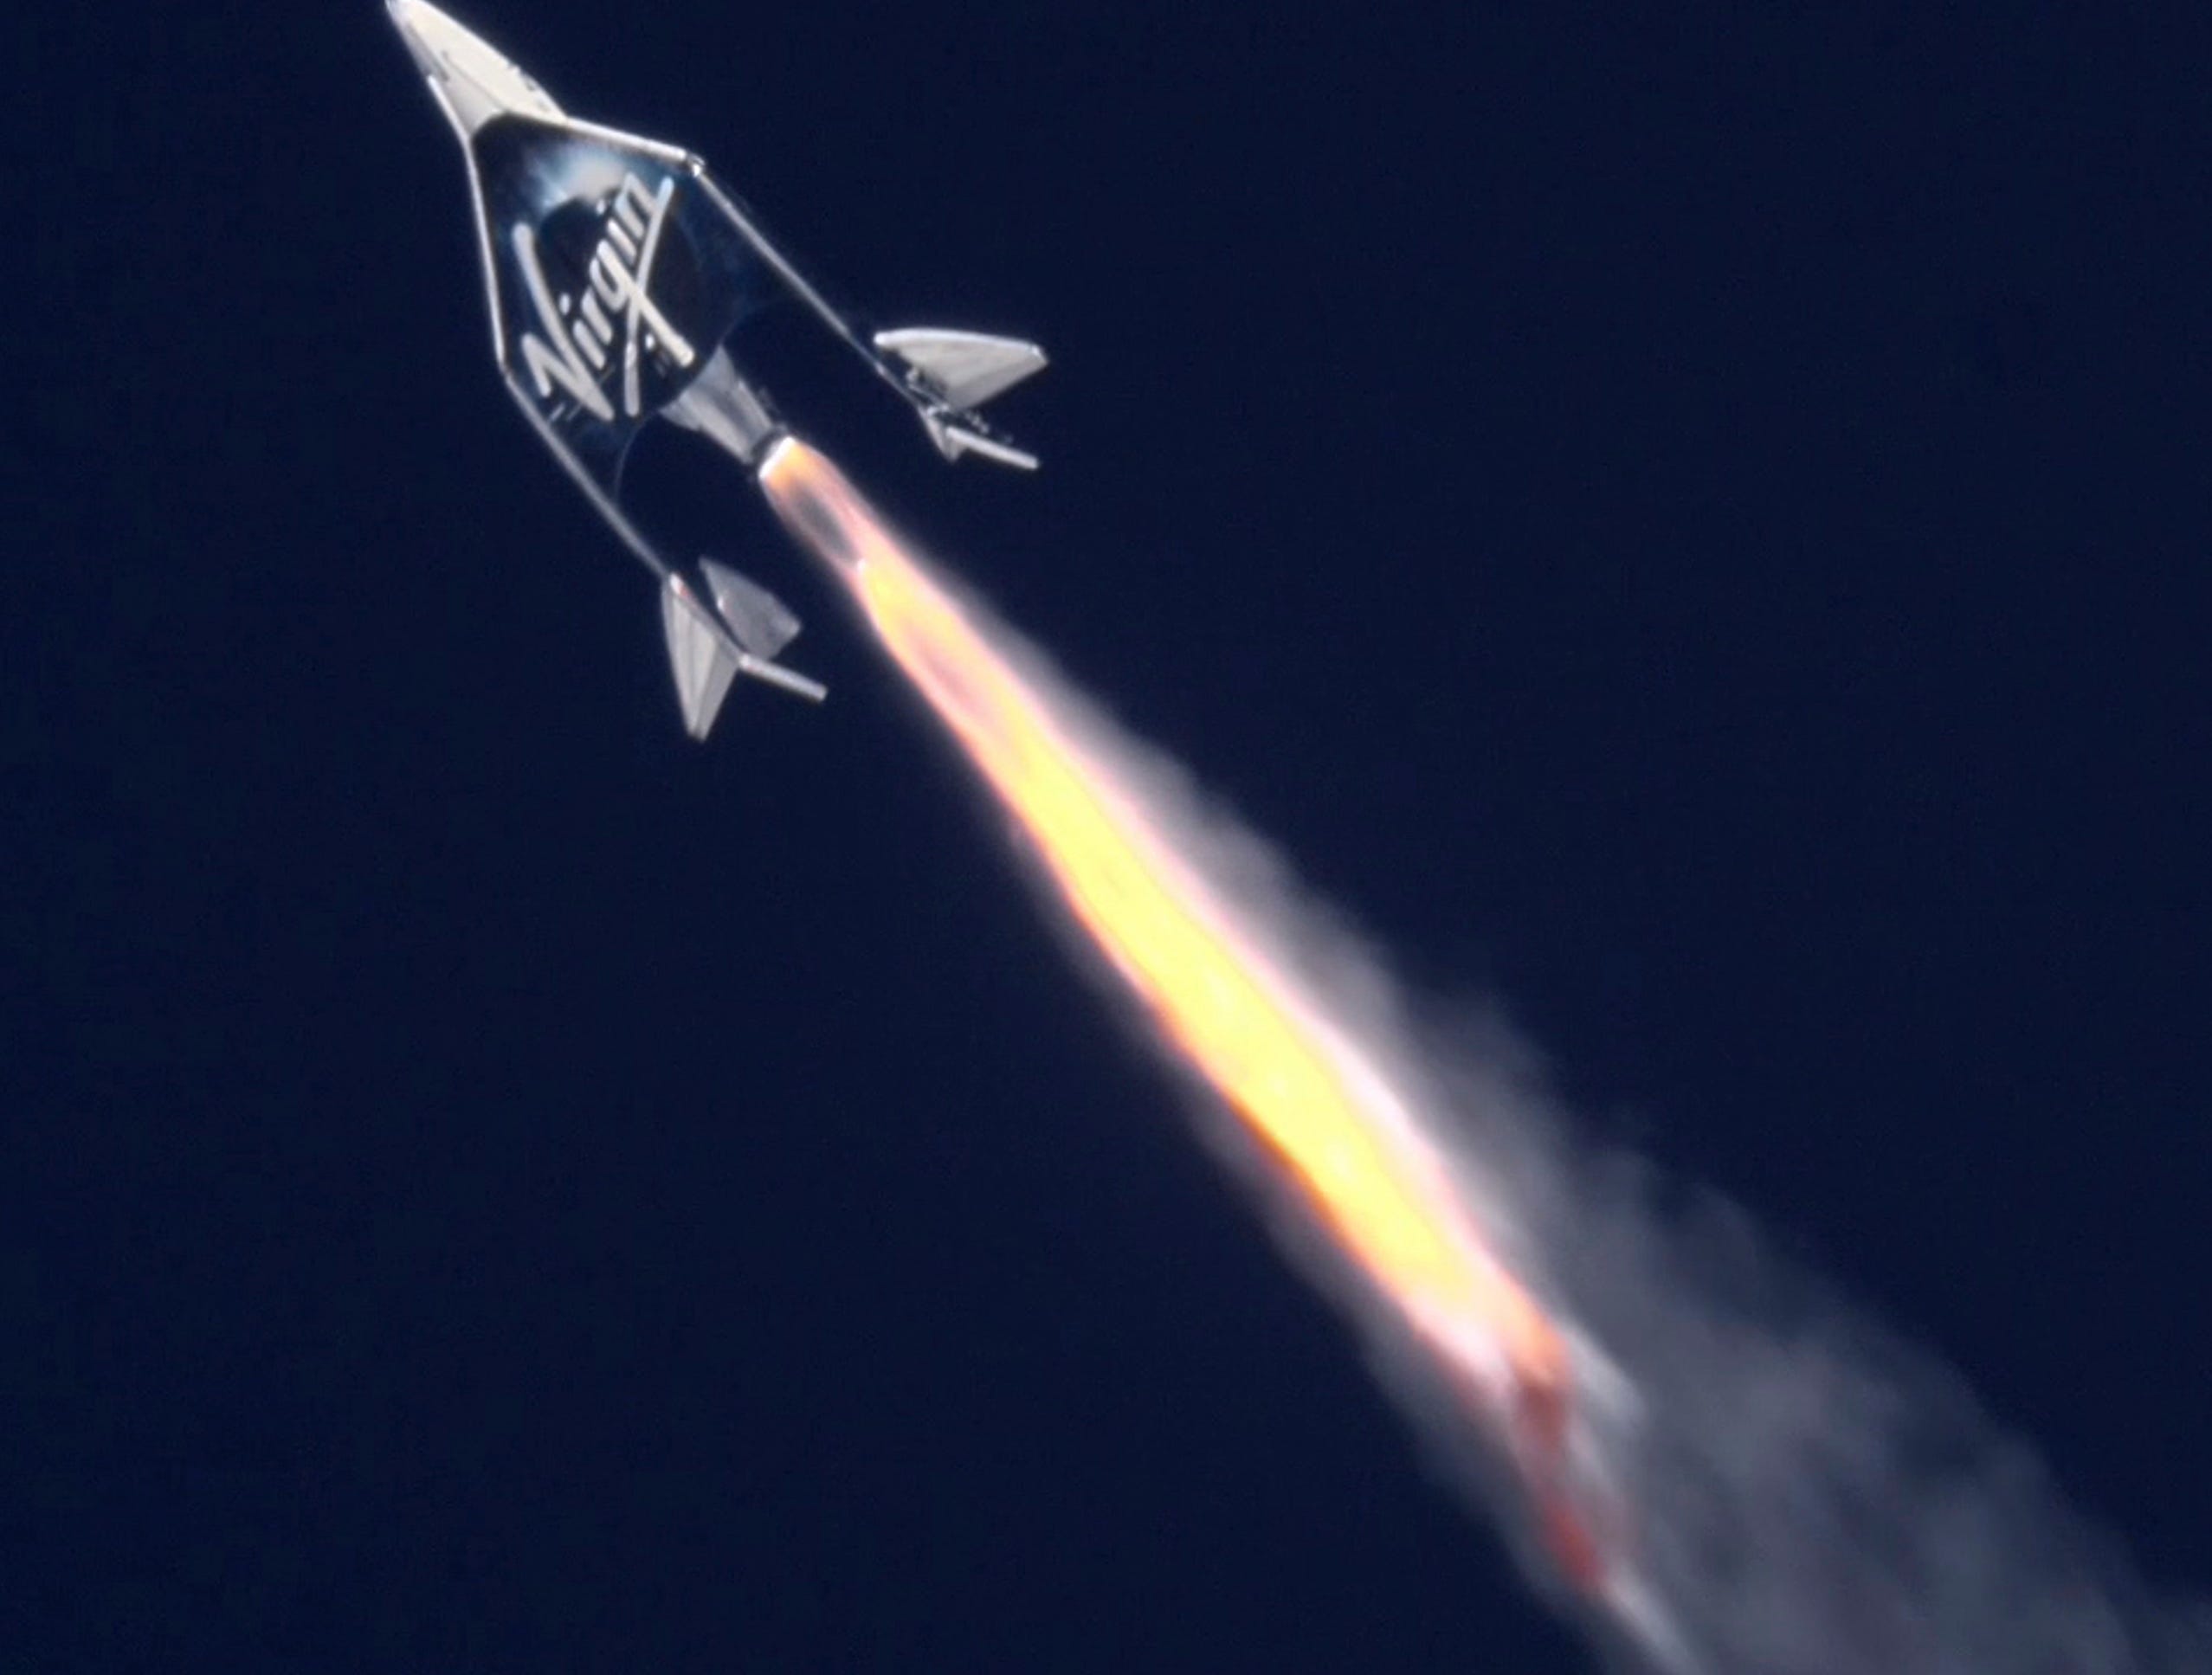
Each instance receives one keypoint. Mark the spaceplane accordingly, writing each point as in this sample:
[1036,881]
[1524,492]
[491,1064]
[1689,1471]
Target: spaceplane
[621,276]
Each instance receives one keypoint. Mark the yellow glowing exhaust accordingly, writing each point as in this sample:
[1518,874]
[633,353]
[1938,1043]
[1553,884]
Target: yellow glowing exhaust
[1356,1159]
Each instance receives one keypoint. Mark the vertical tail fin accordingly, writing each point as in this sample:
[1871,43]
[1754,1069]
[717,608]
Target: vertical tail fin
[763,623]
[966,368]
[700,654]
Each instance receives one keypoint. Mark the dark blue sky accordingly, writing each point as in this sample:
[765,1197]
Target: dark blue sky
[1693,531]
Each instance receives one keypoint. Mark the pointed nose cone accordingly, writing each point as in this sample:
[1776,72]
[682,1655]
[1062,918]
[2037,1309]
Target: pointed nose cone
[472,83]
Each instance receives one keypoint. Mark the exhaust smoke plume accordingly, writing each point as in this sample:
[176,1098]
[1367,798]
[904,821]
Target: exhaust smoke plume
[1704,1461]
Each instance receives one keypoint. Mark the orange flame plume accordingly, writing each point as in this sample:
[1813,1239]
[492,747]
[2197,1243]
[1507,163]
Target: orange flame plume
[1352,1150]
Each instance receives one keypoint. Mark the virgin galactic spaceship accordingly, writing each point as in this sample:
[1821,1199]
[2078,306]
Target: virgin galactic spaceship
[621,276]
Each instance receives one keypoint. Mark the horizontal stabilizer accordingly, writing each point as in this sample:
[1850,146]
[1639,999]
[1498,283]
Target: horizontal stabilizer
[966,368]
[777,675]
[763,623]
[701,656]
[954,439]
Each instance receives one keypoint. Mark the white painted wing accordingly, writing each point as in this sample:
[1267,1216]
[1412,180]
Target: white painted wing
[969,367]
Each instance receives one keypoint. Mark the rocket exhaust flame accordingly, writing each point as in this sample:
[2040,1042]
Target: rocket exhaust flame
[1730,1486]
[1749,1479]
[1355,1155]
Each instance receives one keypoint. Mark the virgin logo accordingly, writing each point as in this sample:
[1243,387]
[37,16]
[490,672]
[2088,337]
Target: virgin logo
[575,354]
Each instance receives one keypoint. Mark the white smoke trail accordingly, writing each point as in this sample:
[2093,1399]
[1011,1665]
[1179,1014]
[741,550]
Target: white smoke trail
[1806,1494]
[1789,1490]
